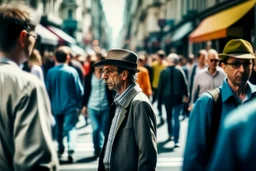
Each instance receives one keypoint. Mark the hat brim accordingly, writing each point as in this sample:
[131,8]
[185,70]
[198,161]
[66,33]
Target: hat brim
[239,56]
[124,64]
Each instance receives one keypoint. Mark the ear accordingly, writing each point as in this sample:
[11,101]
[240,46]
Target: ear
[125,75]
[68,59]
[22,38]
[223,66]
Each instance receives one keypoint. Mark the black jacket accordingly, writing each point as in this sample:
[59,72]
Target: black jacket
[172,86]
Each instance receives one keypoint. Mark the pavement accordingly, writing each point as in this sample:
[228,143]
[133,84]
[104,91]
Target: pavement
[169,158]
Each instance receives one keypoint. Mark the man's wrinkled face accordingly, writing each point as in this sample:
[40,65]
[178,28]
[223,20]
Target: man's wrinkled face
[112,77]
[238,70]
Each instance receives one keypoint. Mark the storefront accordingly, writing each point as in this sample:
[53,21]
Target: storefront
[234,22]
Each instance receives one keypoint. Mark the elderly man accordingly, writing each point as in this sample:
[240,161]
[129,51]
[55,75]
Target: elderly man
[25,112]
[236,61]
[209,78]
[172,88]
[130,143]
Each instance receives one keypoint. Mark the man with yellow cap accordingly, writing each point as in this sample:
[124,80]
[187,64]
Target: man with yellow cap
[210,110]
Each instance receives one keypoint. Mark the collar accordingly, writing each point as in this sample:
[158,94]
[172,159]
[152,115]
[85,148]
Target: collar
[216,73]
[124,97]
[6,60]
[227,92]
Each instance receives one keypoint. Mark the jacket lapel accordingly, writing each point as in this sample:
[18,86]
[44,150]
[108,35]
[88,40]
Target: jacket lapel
[126,105]
[121,119]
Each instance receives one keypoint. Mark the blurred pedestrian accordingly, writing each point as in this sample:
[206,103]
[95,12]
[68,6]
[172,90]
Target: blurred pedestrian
[200,65]
[96,102]
[236,147]
[253,76]
[25,112]
[190,64]
[209,78]
[157,66]
[131,140]
[182,65]
[207,114]
[48,62]
[145,63]
[172,89]
[143,77]
[77,65]
[65,91]
[35,63]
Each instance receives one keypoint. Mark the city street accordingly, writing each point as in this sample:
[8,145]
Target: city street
[169,159]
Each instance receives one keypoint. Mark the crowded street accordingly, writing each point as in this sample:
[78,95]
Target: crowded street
[127,85]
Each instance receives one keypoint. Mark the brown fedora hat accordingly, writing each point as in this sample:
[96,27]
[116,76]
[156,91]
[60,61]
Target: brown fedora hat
[120,57]
[238,48]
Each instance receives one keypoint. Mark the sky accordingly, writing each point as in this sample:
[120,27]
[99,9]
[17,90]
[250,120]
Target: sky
[114,14]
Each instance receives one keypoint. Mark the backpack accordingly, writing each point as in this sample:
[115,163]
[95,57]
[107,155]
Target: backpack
[216,116]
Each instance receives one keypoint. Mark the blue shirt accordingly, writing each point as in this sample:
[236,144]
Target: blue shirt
[65,89]
[236,147]
[98,97]
[200,122]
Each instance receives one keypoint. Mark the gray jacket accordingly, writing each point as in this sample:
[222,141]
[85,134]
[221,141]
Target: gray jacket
[25,122]
[135,144]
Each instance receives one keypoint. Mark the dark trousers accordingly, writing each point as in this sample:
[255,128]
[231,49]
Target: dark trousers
[154,97]
[168,108]
[65,126]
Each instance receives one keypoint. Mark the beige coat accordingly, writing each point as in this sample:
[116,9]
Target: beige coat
[25,122]
[135,145]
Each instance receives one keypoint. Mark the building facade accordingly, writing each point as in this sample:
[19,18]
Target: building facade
[185,26]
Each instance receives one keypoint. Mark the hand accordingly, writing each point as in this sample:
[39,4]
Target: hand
[185,99]
[190,107]
[84,111]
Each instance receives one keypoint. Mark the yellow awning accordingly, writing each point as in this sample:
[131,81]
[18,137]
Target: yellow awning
[215,26]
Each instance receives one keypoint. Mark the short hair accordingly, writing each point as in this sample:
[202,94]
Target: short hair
[202,52]
[161,54]
[213,51]
[15,17]
[173,58]
[132,77]
[62,53]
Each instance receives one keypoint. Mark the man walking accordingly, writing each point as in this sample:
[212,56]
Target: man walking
[200,65]
[65,91]
[25,112]
[172,89]
[130,143]
[209,78]
[236,61]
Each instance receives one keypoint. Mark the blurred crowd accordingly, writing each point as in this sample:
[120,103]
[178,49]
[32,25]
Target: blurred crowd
[215,90]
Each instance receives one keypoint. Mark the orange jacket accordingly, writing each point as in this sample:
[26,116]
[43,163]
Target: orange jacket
[143,81]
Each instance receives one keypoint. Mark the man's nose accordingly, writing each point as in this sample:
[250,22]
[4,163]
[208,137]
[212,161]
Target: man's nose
[103,76]
[241,68]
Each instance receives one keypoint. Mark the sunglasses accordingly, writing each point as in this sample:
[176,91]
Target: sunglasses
[214,60]
[237,64]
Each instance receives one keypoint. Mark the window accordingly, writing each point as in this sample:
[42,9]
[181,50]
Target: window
[70,13]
